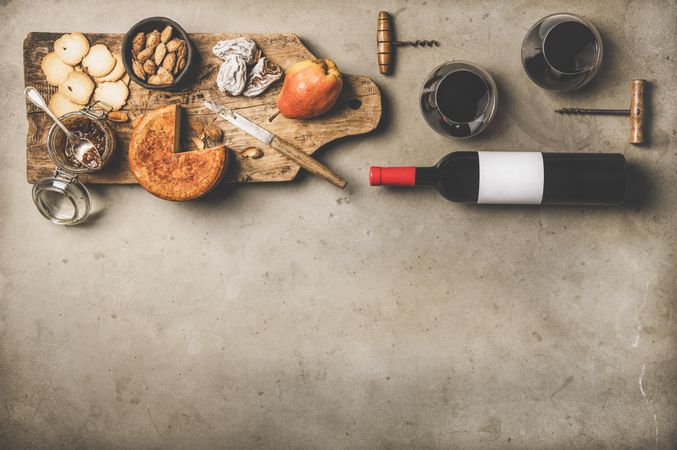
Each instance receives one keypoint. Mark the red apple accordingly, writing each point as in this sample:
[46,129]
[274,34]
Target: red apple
[310,89]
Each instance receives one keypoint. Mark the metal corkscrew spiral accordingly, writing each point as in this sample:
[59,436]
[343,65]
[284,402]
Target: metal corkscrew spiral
[385,44]
[417,43]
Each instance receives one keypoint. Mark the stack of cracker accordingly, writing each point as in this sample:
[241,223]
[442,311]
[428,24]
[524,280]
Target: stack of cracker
[80,71]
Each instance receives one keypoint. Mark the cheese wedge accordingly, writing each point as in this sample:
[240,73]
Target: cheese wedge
[164,172]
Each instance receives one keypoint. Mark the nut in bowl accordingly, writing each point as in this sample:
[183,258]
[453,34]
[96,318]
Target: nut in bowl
[158,54]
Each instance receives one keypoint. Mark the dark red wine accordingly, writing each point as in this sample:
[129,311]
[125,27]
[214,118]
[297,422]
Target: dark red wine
[517,178]
[570,47]
[462,96]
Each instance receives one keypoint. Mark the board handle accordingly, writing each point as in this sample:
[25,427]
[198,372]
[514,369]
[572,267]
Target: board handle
[384,42]
[637,112]
[307,162]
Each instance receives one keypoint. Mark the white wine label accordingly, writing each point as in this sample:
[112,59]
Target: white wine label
[511,178]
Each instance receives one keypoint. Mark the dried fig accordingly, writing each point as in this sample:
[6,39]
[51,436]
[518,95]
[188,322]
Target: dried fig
[174,44]
[153,39]
[262,75]
[149,67]
[232,75]
[169,62]
[138,43]
[160,52]
[138,69]
[166,34]
[243,47]
[145,54]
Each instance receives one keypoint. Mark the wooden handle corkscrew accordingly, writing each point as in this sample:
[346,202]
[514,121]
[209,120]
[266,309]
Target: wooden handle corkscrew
[384,42]
[637,112]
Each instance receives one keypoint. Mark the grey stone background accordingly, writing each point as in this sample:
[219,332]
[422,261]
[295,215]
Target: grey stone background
[297,316]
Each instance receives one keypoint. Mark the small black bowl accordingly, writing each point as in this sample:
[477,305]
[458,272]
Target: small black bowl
[158,23]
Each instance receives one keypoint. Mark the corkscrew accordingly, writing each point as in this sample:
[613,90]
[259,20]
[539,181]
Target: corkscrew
[636,112]
[417,43]
[385,43]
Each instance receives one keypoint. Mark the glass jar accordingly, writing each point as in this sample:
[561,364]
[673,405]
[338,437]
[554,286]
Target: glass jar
[458,99]
[62,198]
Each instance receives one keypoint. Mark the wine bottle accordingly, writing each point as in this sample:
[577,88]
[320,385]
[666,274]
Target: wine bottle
[528,178]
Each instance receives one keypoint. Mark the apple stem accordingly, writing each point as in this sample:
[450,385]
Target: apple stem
[271,118]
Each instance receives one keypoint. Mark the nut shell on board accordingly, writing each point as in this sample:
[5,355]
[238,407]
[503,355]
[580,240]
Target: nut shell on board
[164,172]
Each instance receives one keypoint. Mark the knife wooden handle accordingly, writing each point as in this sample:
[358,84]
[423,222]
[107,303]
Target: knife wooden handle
[307,162]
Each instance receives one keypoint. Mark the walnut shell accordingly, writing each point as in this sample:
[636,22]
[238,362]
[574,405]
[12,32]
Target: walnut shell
[153,39]
[145,54]
[137,67]
[174,44]
[160,52]
[169,62]
[166,34]
[149,67]
[138,43]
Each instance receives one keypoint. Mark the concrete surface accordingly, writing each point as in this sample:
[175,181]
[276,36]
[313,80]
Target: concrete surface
[300,316]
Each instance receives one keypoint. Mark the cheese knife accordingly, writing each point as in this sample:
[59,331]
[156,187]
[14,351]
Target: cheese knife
[298,156]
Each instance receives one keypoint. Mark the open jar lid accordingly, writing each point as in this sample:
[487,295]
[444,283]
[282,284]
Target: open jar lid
[62,199]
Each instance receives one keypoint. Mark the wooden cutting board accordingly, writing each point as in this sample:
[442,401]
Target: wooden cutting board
[284,49]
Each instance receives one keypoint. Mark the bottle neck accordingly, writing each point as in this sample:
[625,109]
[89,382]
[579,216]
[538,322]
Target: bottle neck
[402,176]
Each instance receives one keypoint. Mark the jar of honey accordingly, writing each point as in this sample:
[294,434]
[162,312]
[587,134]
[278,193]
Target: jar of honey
[62,198]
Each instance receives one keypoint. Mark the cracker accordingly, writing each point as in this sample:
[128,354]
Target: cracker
[99,62]
[125,78]
[60,105]
[77,88]
[113,94]
[71,48]
[117,72]
[54,69]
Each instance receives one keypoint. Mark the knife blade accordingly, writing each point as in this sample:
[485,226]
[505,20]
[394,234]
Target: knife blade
[298,156]
[241,122]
